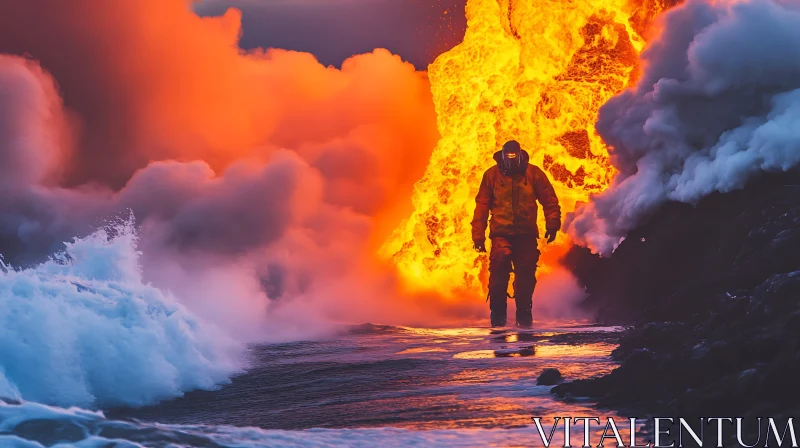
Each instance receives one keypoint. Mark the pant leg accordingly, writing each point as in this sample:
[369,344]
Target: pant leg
[499,272]
[525,256]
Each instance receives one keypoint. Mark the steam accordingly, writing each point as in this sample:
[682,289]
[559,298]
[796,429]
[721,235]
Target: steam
[260,181]
[717,104]
[558,297]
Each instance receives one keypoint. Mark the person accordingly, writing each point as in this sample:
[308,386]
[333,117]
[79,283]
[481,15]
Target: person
[509,191]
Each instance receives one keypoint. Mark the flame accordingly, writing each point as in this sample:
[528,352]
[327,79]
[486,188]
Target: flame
[532,70]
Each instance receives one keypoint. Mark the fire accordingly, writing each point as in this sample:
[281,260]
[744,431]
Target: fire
[532,70]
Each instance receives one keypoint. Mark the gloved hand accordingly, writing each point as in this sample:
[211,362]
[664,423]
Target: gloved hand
[551,235]
[480,246]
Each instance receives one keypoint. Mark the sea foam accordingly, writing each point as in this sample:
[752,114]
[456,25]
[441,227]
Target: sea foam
[84,329]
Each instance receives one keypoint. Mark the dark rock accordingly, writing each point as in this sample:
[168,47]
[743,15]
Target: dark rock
[712,292]
[741,353]
[549,377]
[727,242]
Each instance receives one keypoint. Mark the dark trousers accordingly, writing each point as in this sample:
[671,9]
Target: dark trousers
[521,253]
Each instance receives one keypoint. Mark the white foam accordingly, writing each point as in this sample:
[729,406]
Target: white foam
[92,429]
[84,330]
[25,425]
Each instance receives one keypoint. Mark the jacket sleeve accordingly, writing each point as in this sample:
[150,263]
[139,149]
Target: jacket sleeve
[483,202]
[546,195]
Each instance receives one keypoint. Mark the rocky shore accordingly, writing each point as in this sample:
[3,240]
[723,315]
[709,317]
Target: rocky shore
[713,296]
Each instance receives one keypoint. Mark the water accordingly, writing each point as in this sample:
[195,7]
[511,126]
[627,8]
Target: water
[90,355]
[372,385]
[401,377]
[85,330]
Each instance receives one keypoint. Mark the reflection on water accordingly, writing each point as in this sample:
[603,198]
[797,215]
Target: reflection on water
[575,351]
[409,351]
[477,354]
[412,378]
[513,352]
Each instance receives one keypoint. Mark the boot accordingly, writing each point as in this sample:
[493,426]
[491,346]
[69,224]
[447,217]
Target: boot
[524,313]
[498,309]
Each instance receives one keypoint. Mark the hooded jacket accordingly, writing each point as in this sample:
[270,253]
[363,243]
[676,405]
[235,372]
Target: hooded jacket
[511,200]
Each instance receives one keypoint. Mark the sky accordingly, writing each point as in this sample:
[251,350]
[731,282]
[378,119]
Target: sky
[333,30]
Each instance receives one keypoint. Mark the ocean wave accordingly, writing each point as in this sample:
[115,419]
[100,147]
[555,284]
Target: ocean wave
[84,329]
[37,425]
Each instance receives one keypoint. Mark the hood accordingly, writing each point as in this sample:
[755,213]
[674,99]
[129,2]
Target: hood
[498,158]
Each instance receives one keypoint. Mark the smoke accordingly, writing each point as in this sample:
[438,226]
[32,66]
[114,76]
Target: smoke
[260,181]
[151,80]
[558,297]
[718,103]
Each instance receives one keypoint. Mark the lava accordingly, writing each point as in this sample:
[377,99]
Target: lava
[535,71]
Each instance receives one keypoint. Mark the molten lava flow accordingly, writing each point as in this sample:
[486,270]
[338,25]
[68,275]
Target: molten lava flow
[532,70]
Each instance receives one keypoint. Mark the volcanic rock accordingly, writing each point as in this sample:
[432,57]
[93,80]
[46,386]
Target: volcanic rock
[713,294]
[549,377]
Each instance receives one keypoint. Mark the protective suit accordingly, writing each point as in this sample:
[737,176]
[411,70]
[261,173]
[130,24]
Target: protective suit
[509,191]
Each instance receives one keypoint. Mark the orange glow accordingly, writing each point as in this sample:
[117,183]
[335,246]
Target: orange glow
[555,352]
[535,71]
[167,84]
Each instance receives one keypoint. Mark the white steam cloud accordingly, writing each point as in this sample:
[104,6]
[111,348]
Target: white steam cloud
[717,104]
